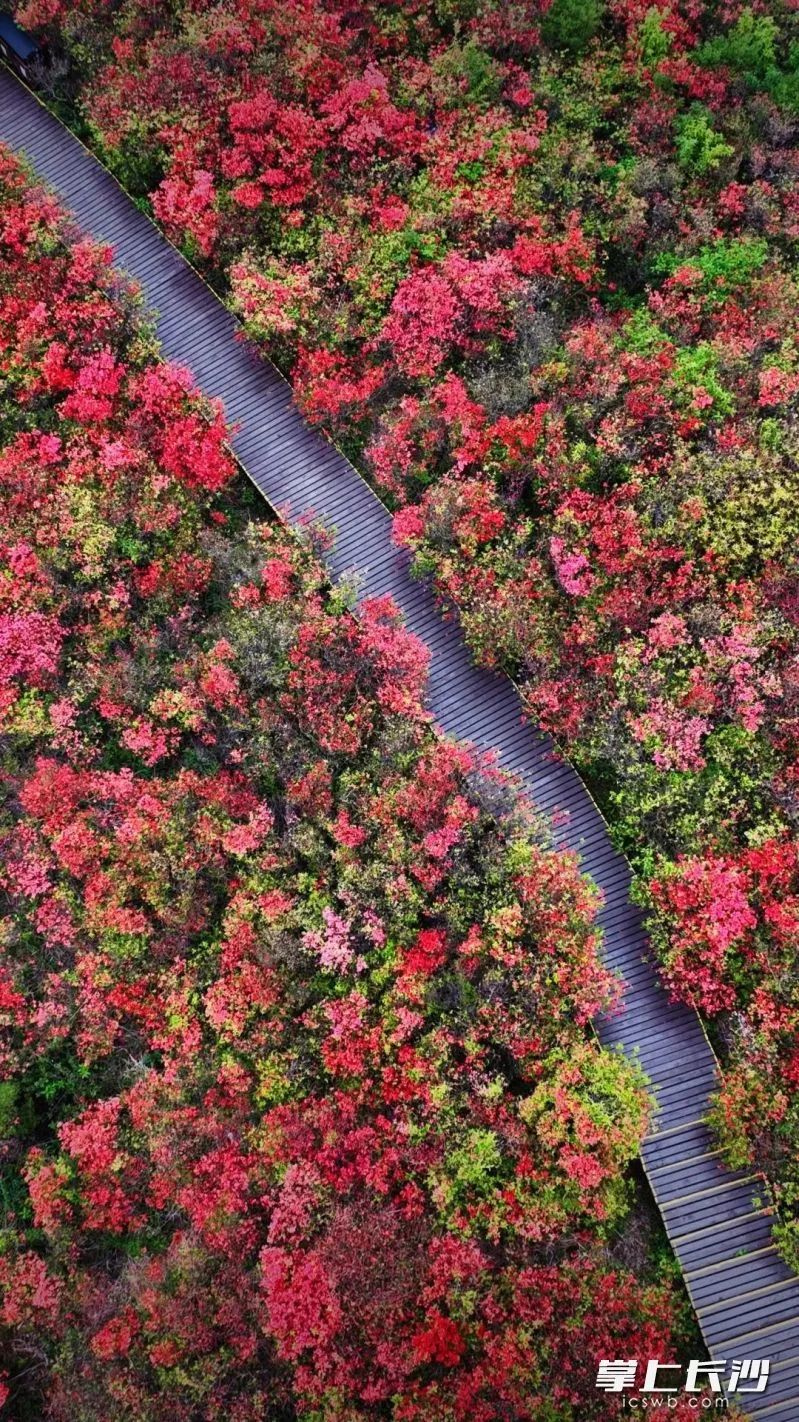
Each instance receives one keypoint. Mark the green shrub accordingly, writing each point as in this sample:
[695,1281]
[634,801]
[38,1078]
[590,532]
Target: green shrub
[8,1108]
[571,24]
[695,369]
[473,67]
[749,47]
[642,334]
[784,88]
[654,40]
[700,148]
[728,265]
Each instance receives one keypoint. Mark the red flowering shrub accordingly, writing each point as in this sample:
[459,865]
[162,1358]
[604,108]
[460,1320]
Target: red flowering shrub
[298,1106]
[536,263]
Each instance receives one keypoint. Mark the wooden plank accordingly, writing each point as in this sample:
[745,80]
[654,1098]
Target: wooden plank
[690,1142]
[755,1310]
[783,1412]
[778,1342]
[723,1244]
[711,1287]
[702,1212]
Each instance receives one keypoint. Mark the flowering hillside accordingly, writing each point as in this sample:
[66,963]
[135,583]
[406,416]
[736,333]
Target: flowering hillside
[534,265]
[299,1111]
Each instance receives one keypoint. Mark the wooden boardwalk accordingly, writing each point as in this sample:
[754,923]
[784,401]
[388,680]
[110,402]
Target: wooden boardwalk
[746,1299]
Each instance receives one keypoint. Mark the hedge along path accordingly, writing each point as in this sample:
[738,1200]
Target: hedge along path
[719,1222]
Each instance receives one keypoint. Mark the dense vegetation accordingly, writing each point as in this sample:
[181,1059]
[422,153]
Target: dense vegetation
[300,1115]
[535,265]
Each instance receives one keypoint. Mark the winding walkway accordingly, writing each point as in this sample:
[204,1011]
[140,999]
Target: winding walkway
[746,1299]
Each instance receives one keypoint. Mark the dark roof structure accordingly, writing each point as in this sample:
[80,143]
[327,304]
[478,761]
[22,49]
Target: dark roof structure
[719,1223]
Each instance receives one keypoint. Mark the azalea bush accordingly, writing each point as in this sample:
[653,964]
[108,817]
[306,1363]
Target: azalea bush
[534,265]
[300,1111]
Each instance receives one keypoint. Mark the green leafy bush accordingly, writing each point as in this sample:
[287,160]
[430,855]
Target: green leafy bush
[654,40]
[749,48]
[700,149]
[571,24]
